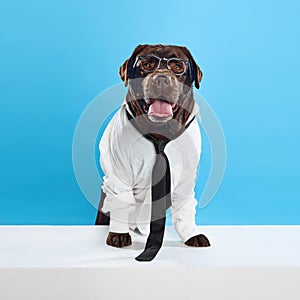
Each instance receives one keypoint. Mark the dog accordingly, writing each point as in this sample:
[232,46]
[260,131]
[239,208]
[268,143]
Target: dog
[159,103]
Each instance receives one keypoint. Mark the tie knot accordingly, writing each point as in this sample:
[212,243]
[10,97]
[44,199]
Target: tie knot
[160,146]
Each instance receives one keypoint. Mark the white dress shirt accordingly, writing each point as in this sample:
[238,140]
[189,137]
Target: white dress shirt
[127,159]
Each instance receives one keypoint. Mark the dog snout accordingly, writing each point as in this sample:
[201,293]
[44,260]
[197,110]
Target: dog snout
[161,80]
[162,86]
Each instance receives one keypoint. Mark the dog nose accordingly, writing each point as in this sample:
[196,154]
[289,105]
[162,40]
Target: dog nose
[161,80]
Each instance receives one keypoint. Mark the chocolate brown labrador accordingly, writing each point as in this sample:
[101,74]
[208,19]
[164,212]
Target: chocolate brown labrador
[158,67]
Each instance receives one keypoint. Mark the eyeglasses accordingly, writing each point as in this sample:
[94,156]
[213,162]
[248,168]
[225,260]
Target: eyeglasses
[150,63]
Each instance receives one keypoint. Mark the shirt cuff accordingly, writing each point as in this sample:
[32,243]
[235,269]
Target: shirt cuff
[119,220]
[186,230]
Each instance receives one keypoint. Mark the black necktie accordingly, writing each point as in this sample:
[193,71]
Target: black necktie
[161,197]
[161,200]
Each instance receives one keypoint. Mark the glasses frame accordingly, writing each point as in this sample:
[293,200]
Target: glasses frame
[186,63]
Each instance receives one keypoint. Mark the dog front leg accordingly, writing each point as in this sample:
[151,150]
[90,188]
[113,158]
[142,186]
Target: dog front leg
[183,217]
[118,235]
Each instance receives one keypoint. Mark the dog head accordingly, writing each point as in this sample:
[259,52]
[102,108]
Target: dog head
[160,79]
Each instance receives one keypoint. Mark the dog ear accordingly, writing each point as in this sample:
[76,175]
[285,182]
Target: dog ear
[126,69]
[123,72]
[196,73]
[198,78]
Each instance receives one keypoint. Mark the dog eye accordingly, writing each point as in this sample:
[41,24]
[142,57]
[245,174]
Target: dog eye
[147,66]
[177,66]
[149,63]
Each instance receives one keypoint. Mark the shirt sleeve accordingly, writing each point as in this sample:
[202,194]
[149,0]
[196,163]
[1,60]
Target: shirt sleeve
[118,179]
[183,196]
[183,208]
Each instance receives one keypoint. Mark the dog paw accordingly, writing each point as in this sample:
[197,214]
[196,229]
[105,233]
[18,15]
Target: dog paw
[199,240]
[119,240]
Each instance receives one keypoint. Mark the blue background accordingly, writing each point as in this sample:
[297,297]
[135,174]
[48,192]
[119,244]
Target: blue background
[56,56]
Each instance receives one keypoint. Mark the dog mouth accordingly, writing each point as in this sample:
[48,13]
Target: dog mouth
[160,110]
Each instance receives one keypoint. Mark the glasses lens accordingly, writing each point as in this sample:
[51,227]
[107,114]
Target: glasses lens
[177,66]
[149,63]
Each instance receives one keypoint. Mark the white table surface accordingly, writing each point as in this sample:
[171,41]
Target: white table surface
[243,262]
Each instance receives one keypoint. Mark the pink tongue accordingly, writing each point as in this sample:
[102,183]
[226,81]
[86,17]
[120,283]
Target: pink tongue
[160,108]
